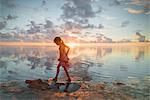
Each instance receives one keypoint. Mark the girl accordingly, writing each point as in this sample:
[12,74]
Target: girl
[63,59]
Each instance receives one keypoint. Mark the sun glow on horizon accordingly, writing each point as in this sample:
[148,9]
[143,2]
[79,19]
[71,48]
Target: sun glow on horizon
[72,45]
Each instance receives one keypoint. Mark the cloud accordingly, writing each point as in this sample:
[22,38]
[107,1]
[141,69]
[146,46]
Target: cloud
[92,26]
[125,40]
[49,24]
[10,17]
[8,3]
[68,25]
[99,9]
[39,32]
[142,3]
[89,26]
[138,30]
[147,13]
[82,21]
[42,31]
[138,37]
[43,3]
[33,28]
[107,17]
[76,15]
[102,38]
[100,26]
[71,27]
[47,28]
[139,2]
[134,11]
[39,36]
[78,9]
[136,2]
[119,2]
[3,25]
[7,36]
[115,3]
[125,23]
[147,8]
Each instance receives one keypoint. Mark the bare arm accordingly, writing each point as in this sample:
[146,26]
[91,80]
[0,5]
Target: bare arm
[67,49]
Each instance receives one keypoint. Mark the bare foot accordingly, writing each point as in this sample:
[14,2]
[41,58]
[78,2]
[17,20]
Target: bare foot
[55,79]
[68,80]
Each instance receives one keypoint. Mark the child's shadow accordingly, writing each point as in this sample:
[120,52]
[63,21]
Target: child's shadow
[64,87]
[54,86]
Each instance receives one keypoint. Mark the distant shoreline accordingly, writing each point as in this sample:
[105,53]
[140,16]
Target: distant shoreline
[26,44]
[93,44]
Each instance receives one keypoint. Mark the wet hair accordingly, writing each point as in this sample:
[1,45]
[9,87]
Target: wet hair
[57,39]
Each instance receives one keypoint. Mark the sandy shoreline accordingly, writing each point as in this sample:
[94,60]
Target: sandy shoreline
[78,44]
[87,91]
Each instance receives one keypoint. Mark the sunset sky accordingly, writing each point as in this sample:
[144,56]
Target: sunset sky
[79,19]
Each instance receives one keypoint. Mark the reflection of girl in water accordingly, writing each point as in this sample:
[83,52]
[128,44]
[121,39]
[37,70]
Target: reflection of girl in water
[63,59]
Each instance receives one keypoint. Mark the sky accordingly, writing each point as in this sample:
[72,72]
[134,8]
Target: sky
[73,19]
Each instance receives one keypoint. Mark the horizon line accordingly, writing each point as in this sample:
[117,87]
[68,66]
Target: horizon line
[2,43]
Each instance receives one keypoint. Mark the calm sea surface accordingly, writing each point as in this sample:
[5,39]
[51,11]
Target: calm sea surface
[128,64]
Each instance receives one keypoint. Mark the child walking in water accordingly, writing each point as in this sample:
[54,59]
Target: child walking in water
[63,59]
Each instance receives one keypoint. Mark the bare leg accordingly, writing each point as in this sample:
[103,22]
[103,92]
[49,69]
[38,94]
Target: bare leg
[67,74]
[58,67]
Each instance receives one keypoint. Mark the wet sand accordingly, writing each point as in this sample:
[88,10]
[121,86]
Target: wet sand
[17,90]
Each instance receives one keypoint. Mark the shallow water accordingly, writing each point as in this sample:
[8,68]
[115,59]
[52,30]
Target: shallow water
[126,64]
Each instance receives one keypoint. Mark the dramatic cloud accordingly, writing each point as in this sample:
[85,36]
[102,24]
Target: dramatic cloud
[125,23]
[76,18]
[78,10]
[82,8]
[3,25]
[138,37]
[76,15]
